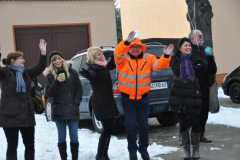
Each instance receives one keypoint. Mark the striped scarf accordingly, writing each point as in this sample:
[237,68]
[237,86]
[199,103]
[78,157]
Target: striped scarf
[187,73]
[21,86]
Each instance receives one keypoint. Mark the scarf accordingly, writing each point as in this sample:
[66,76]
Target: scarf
[187,73]
[21,86]
[101,63]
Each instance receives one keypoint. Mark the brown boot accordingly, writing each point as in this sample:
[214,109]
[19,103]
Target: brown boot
[195,139]
[186,144]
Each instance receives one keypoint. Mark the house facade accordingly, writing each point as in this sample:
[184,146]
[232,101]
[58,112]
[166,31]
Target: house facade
[67,26]
[168,19]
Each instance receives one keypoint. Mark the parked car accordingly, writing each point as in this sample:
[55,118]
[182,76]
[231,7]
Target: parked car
[231,85]
[158,95]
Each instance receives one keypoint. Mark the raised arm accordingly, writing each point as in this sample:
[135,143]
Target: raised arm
[42,61]
[122,49]
[164,61]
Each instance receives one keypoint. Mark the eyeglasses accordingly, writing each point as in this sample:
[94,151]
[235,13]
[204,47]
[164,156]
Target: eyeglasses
[135,47]
[20,58]
[200,36]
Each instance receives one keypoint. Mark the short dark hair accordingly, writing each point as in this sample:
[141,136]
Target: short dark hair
[181,41]
[11,55]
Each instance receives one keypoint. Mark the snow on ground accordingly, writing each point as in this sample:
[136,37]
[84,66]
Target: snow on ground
[221,94]
[225,116]
[46,144]
[46,139]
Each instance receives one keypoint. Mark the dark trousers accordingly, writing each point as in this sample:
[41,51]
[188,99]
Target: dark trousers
[108,128]
[185,118]
[204,110]
[28,140]
[136,113]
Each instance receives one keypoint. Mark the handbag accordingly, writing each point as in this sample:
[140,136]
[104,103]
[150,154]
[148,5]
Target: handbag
[213,98]
[37,97]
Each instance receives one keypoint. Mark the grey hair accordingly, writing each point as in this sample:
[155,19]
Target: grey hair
[191,34]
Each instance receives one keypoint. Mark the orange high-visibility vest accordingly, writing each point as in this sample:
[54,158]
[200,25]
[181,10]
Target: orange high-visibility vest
[134,75]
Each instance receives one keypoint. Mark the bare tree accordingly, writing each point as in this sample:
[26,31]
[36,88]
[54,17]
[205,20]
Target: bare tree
[199,16]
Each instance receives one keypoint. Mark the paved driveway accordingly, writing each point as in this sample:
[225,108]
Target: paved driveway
[225,146]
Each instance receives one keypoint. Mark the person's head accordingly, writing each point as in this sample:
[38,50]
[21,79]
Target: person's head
[196,37]
[94,53]
[184,46]
[136,47]
[56,59]
[15,59]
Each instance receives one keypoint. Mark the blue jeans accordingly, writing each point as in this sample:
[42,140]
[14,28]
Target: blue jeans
[62,129]
[136,113]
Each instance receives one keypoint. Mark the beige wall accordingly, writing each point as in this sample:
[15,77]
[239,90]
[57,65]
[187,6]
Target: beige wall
[155,18]
[100,15]
[167,19]
[226,33]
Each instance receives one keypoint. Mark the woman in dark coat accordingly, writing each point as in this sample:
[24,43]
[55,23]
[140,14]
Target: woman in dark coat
[104,105]
[17,108]
[64,86]
[185,96]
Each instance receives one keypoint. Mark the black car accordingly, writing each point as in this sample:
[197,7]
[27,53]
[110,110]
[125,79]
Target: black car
[231,85]
[158,95]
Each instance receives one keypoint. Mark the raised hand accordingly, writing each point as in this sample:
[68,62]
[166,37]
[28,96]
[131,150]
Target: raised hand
[43,46]
[130,38]
[169,50]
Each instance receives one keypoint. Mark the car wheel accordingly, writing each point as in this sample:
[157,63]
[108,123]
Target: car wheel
[168,119]
[234,92]
[48,109]
[97,124]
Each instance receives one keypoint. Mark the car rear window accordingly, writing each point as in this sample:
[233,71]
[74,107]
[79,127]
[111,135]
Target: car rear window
[155,50]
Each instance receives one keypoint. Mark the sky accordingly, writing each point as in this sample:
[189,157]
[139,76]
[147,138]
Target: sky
[46,139]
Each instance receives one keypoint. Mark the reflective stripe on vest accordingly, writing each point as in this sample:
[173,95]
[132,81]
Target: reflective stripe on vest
[134,77]
[156,65]
[134,85]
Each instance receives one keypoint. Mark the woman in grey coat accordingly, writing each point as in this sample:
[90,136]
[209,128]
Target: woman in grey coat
[17,108]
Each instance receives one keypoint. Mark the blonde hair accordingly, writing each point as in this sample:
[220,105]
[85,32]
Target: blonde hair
[91,52]
[64,65]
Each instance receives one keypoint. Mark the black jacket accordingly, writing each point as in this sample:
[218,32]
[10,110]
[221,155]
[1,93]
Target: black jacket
[17,109]
[186,97]
[205,79]
[103,102]
[66,95]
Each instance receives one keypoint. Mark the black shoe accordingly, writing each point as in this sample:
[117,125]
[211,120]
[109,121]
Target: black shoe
[133,156]
[145,155]
[205,140]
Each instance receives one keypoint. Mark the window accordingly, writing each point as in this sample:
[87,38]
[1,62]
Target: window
[83,63]
[76,63]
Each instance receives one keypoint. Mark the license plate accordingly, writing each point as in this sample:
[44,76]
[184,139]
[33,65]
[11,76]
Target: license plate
[159,85]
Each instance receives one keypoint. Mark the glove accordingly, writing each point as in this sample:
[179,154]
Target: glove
[84,72]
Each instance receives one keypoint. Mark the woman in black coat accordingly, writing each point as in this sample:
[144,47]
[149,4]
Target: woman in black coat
[185,96]
[104,105]
[64,86]
[17,108]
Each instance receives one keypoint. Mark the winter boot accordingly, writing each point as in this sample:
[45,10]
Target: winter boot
[29,156]
[11,157]
[62,147]
[133,156]
[145,155]
[101,145]
[74,150]
[195,139]
[186,144]
[106,149]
